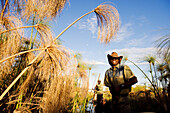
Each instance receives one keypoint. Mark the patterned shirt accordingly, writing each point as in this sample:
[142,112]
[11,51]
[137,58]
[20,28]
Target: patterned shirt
[114,77]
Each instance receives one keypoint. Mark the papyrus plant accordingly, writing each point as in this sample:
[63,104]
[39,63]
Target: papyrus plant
[51,65]
[156,91]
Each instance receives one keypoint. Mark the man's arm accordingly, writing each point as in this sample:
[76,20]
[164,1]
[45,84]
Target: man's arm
[130,82]
[130,77]
[133,80]
[108,84]
[106,80]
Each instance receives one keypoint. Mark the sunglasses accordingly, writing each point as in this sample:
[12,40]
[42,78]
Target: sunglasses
[115,58]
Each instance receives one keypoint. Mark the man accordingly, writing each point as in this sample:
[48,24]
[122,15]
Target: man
[119,79]
[99,91]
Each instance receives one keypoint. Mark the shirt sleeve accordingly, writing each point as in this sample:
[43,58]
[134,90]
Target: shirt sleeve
[128,72]
[106,80]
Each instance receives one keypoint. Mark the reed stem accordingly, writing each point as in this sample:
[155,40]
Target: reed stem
[32,32]
[19,28]
[16,79]
[145,76]
[72,24]
[20,53]
[2,13]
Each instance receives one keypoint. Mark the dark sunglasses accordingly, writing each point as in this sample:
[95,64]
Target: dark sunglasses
[116,58]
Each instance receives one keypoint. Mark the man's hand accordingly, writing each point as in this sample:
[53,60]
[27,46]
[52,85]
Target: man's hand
[130,82]
[127,84]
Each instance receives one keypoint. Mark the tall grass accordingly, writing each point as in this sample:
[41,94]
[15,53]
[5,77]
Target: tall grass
[45,78]
[161,101]
[150,81]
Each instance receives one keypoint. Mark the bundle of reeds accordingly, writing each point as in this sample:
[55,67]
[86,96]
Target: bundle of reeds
[43,77]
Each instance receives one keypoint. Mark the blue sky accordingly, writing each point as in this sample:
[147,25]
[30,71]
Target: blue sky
[142,23]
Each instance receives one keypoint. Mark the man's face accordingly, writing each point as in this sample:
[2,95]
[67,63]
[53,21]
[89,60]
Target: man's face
[99,82]
[114,61]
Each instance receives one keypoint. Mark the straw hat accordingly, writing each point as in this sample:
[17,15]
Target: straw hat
[114,55]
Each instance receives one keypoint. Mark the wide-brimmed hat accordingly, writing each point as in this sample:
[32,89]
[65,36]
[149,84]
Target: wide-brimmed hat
[114,55]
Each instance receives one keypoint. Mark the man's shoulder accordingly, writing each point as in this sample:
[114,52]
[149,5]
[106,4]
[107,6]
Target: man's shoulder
[125,66]
[108,70]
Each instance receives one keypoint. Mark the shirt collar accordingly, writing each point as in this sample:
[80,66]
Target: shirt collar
[115,67]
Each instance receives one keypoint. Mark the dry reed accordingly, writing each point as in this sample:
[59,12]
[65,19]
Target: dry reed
[60,93]
[30,75]
[52,62]
[62,87]
[10,42]
[108,22]
[45,34]
[43,8]
[53,71]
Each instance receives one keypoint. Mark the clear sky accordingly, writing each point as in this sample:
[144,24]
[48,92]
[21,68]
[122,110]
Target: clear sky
[142,23]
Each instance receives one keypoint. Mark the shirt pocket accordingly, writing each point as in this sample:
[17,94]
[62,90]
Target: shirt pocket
[119,80]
